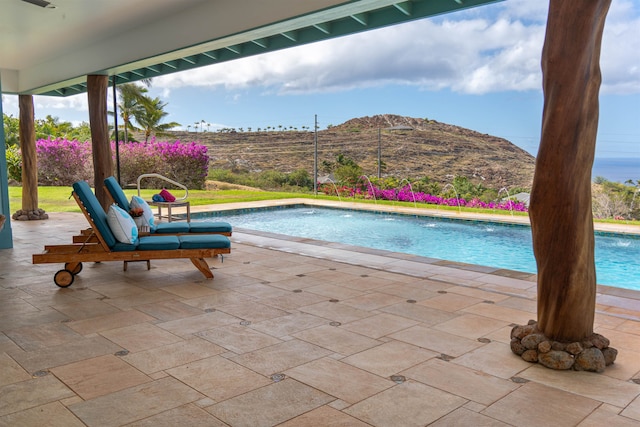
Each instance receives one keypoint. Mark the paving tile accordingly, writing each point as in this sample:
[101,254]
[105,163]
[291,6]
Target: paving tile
[294,300]
[289,324]
[8,346]
[331,290]
[335,311]
[415,291]
[337,339]
[408,404]
[135,403]
[625,367]
[538,405]
[259,290]
[169,310]
[187,326]
[218,299]
[324,416]
[437,341]
[148,297]
[14,321]
[598,387]
[67,353]
[426,315]
[465,417]
[270,405]
[108,321]
[621,340]
[186,415]
[470,326]
[51,414]
[389,358]
[279,357]
[632,410]
[506,314]
[607,415]
[237,338]
[379,325]
[450,302]
[252,312]
[172,355]
[42,336]
[372,301]
[99,376]
[85,309]
[495,359]
[189,290]
[467,383]
[31,393]
[10,371]
[218,378]
[140,337]
[346,382]
[477,293]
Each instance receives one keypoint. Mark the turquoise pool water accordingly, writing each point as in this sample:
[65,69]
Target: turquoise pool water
[472,242]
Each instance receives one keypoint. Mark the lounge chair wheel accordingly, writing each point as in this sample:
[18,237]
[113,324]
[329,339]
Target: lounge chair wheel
[63,278]
[73,267]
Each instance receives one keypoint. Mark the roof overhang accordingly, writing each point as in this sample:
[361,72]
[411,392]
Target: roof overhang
[50,51]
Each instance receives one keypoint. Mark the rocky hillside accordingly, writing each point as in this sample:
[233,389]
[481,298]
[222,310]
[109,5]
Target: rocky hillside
[410,148]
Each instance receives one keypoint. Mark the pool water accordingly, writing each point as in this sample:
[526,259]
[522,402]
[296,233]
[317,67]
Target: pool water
[473,242]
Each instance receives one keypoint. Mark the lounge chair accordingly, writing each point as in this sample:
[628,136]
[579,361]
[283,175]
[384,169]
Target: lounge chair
[119,198]
[108,248]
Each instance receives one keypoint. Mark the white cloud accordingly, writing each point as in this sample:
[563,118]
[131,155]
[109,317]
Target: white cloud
[486,49]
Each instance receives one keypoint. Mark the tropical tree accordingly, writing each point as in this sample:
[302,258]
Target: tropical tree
[130,105]
[151,116]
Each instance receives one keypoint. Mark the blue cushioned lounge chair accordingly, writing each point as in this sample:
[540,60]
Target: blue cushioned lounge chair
[107,248]
[119,198]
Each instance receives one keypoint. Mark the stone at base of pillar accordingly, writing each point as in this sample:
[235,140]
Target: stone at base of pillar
[34,215]
[591,354]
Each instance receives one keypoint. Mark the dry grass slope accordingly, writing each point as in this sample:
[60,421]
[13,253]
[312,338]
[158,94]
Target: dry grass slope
[429,148]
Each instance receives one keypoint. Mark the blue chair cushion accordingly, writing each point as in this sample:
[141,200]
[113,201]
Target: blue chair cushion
[158,243]
[116,193]
[204,241]
[210,227]
[123,247]
[171,228]
[95,211]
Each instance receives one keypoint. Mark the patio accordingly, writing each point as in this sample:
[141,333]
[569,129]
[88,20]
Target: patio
[290,332]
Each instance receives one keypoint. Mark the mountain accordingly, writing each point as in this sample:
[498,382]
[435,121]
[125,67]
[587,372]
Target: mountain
[410,148]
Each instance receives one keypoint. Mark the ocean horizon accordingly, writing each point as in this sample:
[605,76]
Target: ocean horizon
[617,169]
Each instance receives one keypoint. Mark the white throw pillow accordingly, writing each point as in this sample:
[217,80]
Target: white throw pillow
[122,225]
[139,202]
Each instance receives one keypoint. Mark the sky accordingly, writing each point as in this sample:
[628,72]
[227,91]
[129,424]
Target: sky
[478,68]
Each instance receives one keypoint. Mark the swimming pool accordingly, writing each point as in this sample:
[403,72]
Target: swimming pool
[473,242]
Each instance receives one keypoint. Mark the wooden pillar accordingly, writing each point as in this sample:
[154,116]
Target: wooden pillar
[560,210]
[102,160]
[29,157]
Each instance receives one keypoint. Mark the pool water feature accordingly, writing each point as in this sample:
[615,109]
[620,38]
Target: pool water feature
[473,242]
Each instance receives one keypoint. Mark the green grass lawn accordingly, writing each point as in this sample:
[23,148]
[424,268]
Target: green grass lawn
[58,199]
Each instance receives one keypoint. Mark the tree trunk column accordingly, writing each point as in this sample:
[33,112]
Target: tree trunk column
[102,158]
[560,212]
[560,208]
[27,134]
[29,157]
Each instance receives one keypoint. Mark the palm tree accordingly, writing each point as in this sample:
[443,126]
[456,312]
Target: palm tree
[131,96]
[151,116]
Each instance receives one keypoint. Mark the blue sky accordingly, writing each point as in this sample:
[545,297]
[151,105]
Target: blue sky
[479,69]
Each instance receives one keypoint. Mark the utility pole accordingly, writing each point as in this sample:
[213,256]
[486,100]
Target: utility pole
[315,156]
[379,152]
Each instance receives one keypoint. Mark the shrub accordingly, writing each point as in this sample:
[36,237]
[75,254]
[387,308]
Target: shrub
[14,163]
[62,162]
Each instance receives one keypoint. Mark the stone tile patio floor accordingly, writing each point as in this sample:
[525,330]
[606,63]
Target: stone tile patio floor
[291,332]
